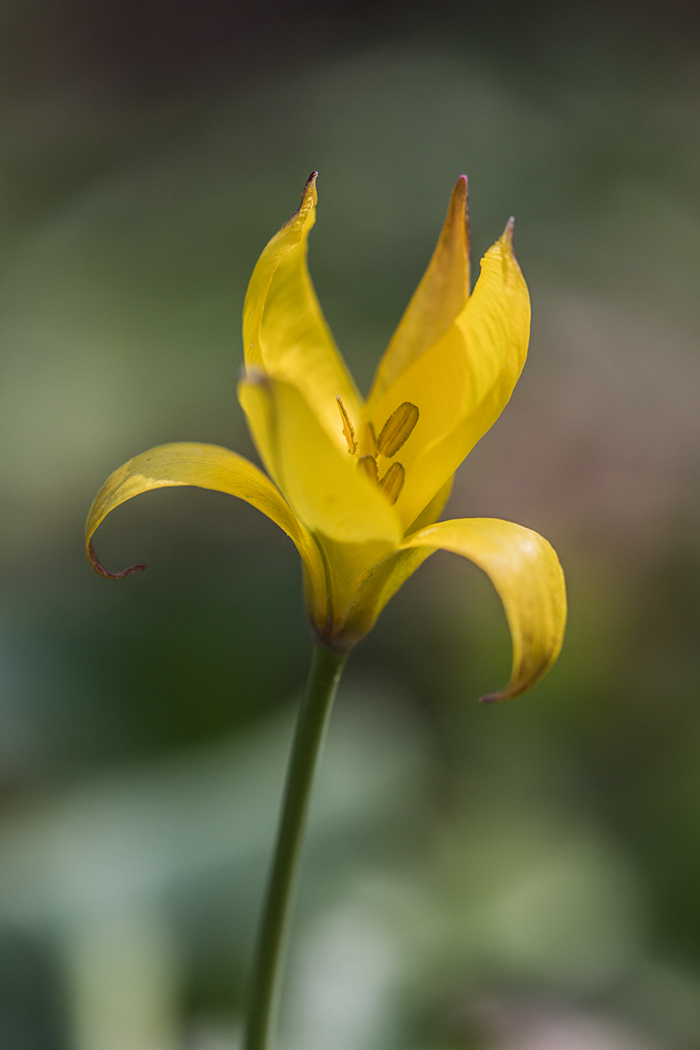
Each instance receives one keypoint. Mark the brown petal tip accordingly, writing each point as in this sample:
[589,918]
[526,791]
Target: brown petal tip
[491,698]
[458,200]
[458,212]
[99,567]
[308,198]
[309,187]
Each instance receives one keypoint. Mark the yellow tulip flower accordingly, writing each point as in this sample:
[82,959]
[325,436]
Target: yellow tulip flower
[358,485]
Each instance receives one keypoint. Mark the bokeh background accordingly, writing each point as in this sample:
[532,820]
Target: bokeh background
[523,877]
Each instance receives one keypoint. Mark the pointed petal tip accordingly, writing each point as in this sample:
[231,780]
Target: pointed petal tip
[308,200]
[309,184]
[461,189]
[99,567]
[508,232]
[459,206]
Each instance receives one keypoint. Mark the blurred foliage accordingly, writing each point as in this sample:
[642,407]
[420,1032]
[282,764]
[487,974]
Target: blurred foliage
[478,877]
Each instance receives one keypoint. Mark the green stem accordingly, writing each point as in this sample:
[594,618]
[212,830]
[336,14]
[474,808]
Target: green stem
[326,668]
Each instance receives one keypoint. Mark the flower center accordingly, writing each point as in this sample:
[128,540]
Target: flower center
[394,433]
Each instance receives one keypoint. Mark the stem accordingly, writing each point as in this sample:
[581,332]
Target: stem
[324,675]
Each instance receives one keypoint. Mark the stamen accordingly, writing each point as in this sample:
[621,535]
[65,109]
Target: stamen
[369,465]
[348,429]
[369,441]
[392,482]
[396,429]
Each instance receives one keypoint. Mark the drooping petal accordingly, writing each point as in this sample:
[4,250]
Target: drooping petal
[439,298]
[284,331]
[319,479]
[207,467]
[462,383]
[526,573]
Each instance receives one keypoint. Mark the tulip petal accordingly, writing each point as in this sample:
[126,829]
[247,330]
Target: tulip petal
[432,511]
[439,298]
[284,331]
[375,588]
[462,383]
[319,479]
[207,467]
[526,573]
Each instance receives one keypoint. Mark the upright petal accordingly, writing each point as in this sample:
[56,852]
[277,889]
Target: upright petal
[207,467]
[463,382]
[319,479]
[284,331]
[529,580]
[432,511]
[439,298]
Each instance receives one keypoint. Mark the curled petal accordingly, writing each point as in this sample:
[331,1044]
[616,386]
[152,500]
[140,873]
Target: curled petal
[526,573]
[207,467]
[284,331]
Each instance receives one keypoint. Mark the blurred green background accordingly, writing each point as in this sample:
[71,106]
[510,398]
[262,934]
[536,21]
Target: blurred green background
[516,878]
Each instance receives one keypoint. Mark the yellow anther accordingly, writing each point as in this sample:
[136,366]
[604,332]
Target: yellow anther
[368,444]
[369,465]
[396,429]
[348,429]
[392,482]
